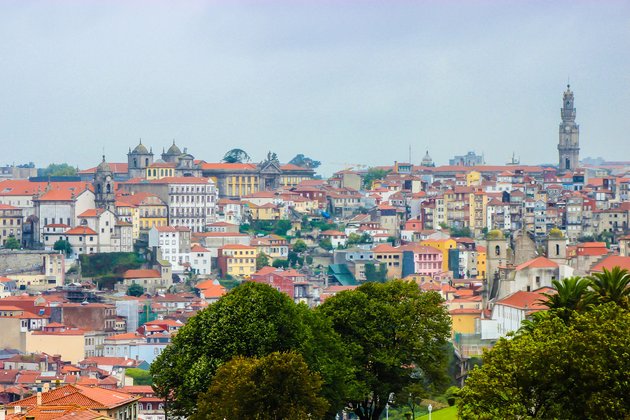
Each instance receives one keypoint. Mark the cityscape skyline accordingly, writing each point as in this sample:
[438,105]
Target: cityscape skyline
[324,79]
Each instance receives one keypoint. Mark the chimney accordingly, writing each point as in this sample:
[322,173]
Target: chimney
[39,397]
[3,412]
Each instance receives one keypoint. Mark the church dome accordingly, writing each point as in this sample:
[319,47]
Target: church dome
[140,149]
[103,166]
[174,150]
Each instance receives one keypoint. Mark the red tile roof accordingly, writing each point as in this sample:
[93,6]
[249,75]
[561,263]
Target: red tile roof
[540,262]
[524,300]
[229,166]
[117,168]
[612,261]
[142,274]
[91,213]
[80,230]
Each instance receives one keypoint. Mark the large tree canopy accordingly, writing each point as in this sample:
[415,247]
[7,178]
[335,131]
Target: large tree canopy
[571,361]
[252,320]
[557,370]
[57,169]
[374,174]
[274,387]
[396,335]
[236,156]
[305,162]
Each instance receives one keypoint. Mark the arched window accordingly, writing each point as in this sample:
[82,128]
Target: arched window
[149,407]
[98,188]
[135,162]
[557,249]
[146,162]
[108,187]
[497,250]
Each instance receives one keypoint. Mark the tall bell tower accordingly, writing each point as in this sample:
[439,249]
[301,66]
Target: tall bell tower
[569,140]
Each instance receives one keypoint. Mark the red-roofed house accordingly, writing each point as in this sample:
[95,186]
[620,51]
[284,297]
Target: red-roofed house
[533,275]
[106,402]
[337,238]
[61,206]
[237,260]
[210,290]
[152,280]
[508,313]
[610,262]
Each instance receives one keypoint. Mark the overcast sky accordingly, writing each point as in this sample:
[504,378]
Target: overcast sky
[340,81]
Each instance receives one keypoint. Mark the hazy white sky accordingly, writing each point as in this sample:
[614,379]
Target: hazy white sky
[340,81]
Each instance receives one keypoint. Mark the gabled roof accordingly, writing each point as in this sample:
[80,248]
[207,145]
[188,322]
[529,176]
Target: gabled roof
[91,213]
[540,262]
[88,397]
[80,230]
[612,261]
[524,300]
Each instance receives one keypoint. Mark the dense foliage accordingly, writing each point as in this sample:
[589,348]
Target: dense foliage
[374,174]
[57,169]
[305,162]
[276,386]
[396,335]
[63,245]
[12,243]
[571,361]
[135,290]
[236,156]
[139,376]
[253,320]
[116,263]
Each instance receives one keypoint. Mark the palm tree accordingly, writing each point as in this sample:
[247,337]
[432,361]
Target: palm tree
[572,294]
[611,286]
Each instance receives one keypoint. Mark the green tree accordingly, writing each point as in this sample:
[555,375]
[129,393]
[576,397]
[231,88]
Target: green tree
[305,162]
[374,274]
[58,169]
[353,239]
[252,320]
[611,286]
[282,227]
[299,246]
[139,376]
[63,245]
[294,259]
[464,232]
[326,244]
[236,156]
[276,386]
[396,335]
[372,175]
[279,263]
[12,243]
[571,294]
[559,370]
[262,260]
[135,290]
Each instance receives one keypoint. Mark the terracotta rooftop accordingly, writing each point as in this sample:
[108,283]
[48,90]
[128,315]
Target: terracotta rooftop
[540,262]
[142,274]
[612,261]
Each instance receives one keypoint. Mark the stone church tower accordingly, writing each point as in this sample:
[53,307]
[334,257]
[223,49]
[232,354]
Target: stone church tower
[104,195]
[569,142]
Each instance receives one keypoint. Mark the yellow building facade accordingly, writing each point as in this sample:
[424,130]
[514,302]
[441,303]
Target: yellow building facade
[238,260]
[69,343]
[464,321]
[443,245]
